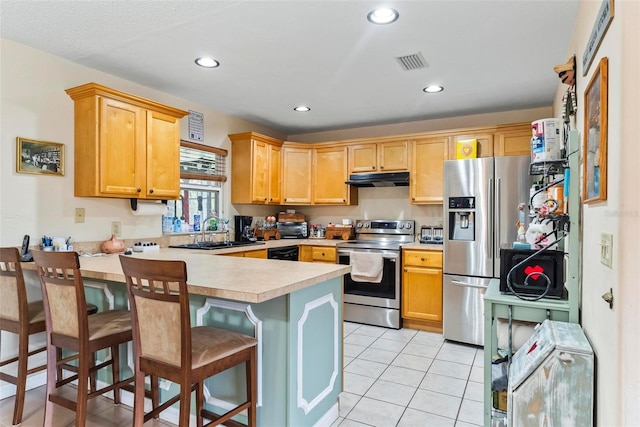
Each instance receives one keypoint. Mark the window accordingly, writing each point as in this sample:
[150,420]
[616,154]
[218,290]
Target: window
[202,172]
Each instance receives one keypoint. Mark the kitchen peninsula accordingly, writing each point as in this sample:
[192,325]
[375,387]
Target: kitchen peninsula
[293,309]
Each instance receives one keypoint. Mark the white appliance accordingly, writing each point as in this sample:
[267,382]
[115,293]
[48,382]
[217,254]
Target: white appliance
[481,198]
[551,378]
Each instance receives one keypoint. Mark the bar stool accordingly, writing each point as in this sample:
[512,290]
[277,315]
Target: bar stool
[24,319]
[166,346]
[70,328]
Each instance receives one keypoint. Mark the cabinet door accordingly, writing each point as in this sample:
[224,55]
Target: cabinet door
[296,189]
[393,156]
[260,253]
[363,158]
[329,176]
[260,172]
[275,174]
[513,143]
[484,147]
[422,293]
[163,156]
[122,149]
[323,254]
[427,170]
[306,253]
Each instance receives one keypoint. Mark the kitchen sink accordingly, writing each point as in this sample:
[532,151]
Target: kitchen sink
[208,246]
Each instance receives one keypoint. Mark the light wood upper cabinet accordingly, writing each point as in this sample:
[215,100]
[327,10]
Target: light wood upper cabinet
[387,156]
[392,156]
[255,169]
[363,157]
[427,170]
[513,142]
[296,174]
[125,146]
[330,171]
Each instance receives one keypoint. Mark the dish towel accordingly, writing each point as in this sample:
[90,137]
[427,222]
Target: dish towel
[366,267]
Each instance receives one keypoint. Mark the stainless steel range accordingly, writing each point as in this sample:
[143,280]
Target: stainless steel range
[376,303]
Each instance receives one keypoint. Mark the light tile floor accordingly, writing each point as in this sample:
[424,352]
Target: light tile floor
[409,378]
[391,378]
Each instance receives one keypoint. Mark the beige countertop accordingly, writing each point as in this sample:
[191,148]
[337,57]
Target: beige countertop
[423,246]
[240,279]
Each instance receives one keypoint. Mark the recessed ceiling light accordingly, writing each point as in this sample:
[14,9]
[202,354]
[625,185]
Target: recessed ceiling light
[383,15]
[207,62]
[302,109]
[433,89]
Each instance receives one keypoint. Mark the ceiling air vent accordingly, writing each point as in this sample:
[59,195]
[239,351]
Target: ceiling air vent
[414,61]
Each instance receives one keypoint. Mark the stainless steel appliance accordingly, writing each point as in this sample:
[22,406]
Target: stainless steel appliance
[293,230]
[481,198]
[242,228]
[430,234]
[287,253]
[376,303]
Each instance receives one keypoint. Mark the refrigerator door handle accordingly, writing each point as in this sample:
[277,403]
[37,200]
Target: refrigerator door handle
[498,224]
[490,222]
[466,284]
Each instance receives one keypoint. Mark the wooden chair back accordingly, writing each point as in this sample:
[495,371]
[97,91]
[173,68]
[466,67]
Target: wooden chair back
[13,304]
[63,294]
[160,310]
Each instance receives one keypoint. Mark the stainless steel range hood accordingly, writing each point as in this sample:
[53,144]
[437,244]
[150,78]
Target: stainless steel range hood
[394,179]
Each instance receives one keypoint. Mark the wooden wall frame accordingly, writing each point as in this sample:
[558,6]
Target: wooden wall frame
[39,157]
[594,150]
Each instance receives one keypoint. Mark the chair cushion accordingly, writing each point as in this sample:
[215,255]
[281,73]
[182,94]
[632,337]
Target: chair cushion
[109,322]
[210,344]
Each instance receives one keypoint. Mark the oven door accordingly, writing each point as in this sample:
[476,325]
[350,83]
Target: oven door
[383,294]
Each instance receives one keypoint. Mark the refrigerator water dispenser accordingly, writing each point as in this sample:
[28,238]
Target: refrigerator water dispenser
[462,218]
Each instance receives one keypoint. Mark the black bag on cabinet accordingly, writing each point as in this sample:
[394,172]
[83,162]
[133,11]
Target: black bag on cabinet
[548,262]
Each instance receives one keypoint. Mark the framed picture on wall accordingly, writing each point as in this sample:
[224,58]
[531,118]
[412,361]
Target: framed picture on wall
[39,157]
[594,150]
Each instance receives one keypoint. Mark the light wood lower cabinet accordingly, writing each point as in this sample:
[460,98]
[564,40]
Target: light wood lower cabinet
[422,289]
[325,254]
[260,253]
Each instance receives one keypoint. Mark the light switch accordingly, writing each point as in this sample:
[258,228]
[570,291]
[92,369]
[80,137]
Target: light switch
[606,249]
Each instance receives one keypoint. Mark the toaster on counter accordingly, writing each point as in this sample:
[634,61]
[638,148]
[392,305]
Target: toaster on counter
[431,234]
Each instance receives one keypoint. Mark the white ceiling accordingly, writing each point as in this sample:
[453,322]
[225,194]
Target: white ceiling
[489,55]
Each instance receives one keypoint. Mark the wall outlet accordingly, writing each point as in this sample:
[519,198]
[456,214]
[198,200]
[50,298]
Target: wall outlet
[606,249]
[116,228]
[79,215]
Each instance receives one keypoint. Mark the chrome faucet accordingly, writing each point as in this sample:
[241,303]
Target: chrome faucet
[219,221]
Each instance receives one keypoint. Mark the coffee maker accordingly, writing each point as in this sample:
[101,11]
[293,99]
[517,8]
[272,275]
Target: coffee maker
[242,228]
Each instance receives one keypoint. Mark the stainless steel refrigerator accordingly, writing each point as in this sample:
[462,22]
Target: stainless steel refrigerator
[481,198]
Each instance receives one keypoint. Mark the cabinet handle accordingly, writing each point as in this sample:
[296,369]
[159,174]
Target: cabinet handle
[422,259]
[373,167]
[405,270]
[151,191]
[413,198]
[139,190]
[381,167]
[344,200]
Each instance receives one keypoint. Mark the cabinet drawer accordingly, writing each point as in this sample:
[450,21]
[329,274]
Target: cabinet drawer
[423,258]
[325,254]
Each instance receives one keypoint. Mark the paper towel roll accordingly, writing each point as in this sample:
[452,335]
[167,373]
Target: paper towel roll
[150,208]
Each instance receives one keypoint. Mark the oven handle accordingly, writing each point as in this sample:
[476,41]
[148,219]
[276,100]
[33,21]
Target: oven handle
[391,257]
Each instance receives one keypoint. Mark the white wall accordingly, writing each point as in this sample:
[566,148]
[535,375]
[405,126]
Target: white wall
[33,105]
[613,333]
